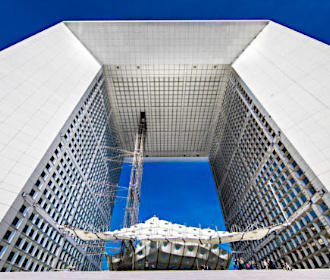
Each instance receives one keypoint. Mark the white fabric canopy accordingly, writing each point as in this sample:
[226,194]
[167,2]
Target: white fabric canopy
[160,230]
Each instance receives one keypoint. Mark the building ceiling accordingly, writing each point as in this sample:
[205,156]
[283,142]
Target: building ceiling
[175,71]
[181,103]
[166,42]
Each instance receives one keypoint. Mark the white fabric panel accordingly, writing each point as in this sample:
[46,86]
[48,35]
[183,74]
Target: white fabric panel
[160,230]
[289,75]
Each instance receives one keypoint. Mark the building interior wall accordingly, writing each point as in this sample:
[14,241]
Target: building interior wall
[64,190]
[259,183]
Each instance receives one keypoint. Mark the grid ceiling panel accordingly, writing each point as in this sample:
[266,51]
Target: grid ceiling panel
[181,102]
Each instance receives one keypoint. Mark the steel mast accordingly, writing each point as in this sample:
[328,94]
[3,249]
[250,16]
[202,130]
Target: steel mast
[134,190]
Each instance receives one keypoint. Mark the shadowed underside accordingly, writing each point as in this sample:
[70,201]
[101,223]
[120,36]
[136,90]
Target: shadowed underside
[176,72]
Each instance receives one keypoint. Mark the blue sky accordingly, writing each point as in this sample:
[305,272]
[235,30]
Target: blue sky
[22,18]
[180,192]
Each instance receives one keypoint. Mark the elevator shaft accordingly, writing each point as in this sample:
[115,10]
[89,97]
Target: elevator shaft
[134,190]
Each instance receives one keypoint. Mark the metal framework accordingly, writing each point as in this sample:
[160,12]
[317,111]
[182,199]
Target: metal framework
[133,192]
[133,199]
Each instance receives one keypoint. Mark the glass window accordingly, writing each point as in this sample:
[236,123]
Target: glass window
[324,207]
[2,250]
[16,222]
[313,214]
[312,190]
[307,219]
[9,235]
[18,242]
[23,210]
[305,180]
[11,256]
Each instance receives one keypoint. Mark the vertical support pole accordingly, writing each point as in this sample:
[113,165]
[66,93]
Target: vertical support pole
[134,190]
